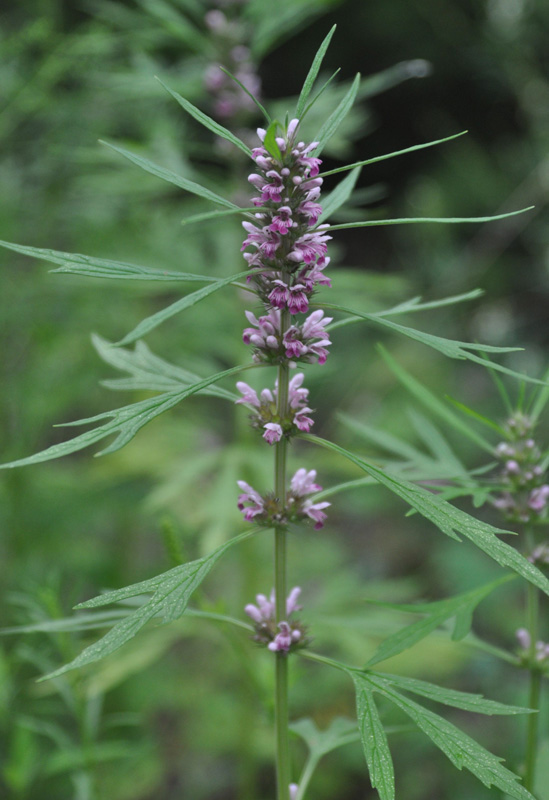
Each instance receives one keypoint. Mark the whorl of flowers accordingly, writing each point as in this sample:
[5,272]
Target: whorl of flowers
[267,510]
[288,634]
[266,416]
[526,494]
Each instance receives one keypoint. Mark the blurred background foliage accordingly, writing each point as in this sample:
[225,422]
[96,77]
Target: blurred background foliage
[185,710]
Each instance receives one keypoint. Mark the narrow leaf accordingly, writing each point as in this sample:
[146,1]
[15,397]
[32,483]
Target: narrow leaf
[470,412]
[149,323]
[89,266]
[247,91]
[446,517]
[339,195]
[336,118]
[269,142]
[208,122]
[436,614]
[374,742]
[172,591]
[391,155]
[215,214]
[462,750]
[312,74]
[414,220]
[125,422]
[433,403]
[172,177]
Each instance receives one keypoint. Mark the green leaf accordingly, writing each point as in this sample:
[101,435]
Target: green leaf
[149,323]
[170,594]
[125,422]
[339,732]
[374,741]
[149,372]
[436,614]
[270,143]
[89,266]
[247,91]
[336,118]
[437,444]
[451,697]
[312,74]
[339,195]
[215,214]
[391,155]
[320,92]
[208,122]
[476,416]
[172,177]
[432,402]
[448,347]
[447,518]
[413,220]
[462,750]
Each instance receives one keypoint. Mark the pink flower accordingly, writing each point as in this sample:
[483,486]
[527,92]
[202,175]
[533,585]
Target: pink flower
[249,394]
[249,495]
[273,432]
[314,511]
[303,483]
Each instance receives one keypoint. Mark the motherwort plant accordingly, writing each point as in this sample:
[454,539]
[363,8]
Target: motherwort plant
[289,329]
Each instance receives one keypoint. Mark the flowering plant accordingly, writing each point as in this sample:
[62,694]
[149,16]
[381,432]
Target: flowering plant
[285,250]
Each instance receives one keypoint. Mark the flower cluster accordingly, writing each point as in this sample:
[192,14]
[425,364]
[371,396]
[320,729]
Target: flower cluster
[541,649]
[288,248]
[525,495]
[266,416]
[267,510]
[291,634]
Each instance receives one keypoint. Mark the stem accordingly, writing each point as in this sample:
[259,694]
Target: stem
[532,731]
[534,690]
[281,667]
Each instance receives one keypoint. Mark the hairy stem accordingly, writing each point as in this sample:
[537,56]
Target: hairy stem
[281,679]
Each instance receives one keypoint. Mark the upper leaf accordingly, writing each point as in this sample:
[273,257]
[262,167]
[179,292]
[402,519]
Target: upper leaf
[207,121]
[336,118]
[312,74]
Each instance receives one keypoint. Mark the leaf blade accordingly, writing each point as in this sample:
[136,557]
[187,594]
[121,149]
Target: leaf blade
[336,118]
[313,72]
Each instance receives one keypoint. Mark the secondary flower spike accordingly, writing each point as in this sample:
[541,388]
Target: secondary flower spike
[279,637]
[268,510]
[266,417]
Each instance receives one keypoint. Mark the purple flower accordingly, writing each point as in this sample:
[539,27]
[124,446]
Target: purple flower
[273,432]
[266,608]
[538,498]
[249,394]
[303,483]
[284,640]
[315,512]
[249,495]
[302,421]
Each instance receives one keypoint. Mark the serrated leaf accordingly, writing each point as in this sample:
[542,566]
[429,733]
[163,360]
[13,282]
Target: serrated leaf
[433,403]
[312,74]
[171,593]
[447,518]
[452,697]
[415,220]
[436,614]
[207,121]
[338,196]
[171,177]
[336,118]
[150,323]
[374,742]
[391,155]
[461,749]
[125,422]
[148,371]
[77,264]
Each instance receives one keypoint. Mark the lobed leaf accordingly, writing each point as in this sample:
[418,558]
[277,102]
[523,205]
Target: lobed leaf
[445,516]
[125,422]
[336,118]
[312,74]
[207,121]
[448,347]
[374,741]
[436,614]
[150,323]
[171,177]
[78,264]
[170,594]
